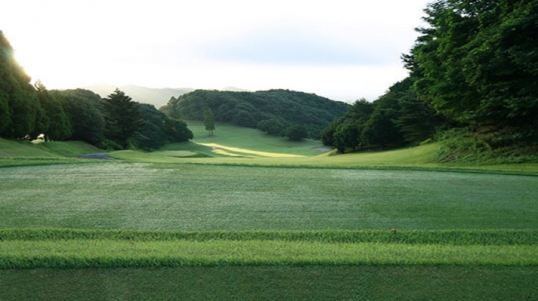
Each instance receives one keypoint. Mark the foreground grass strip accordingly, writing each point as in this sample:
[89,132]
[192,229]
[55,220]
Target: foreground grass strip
[389,282]
[438,237]
[18,254]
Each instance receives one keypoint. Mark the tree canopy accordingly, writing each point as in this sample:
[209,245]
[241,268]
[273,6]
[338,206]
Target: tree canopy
[474,67]
[19,105]
[476,64]
[122,118]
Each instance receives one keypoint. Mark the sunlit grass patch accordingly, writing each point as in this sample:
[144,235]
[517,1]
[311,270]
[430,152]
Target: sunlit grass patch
[124,253]
[253,139]
[236,150]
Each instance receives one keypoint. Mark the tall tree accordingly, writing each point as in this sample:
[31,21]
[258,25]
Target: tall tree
[122,118]
[347,135]
[209,121]
[476,63]
[5,114]
[157,129]
[381,128]
[19,116]
[296,132]
[56,123]
[327,135]
[85,113]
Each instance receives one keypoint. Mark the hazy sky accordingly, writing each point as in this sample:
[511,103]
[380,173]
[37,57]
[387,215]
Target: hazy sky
[340,49]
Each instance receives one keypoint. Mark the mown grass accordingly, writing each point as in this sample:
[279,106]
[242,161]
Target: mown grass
[385,282]
[424,237]
[416,158]
[25,153]
[54,264]
[25,149]
[64,248]
[17,254]
[254,228]
[71,148]
[252,141]
[146,196]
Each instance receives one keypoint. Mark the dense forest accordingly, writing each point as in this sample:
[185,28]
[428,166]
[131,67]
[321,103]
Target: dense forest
[114,122]
[276,112]
[473,82]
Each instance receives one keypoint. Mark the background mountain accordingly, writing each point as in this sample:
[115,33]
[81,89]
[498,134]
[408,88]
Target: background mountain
[156,97]
[271,111]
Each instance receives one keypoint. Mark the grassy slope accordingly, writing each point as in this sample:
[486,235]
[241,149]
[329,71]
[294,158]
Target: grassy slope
[56,149]
[251,139]
[233,145]
[23,148]
[71,148]
[25,153]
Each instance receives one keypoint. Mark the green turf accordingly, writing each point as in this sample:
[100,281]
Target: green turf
[23,148]
[71,148]
[50,248]
[393,236]
[18,254]
[485,265]
[273,283]
[463,248]
[252,139]
[205,197]
[25,153]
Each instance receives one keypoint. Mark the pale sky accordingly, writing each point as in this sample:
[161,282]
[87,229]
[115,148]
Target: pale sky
[340,49]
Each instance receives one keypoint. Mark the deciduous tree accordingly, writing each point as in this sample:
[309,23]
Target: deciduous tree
[209,121]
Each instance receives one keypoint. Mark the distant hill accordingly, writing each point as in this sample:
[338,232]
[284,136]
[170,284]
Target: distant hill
[282,108]
[156,97]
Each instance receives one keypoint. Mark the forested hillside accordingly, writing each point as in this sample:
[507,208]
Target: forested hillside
[116,121]
[272,111]
[473,83]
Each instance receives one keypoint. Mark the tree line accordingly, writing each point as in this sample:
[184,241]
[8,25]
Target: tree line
[277,112]
[114,122]
[473,74]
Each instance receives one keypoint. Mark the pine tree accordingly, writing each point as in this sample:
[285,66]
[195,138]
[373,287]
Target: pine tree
[122,118]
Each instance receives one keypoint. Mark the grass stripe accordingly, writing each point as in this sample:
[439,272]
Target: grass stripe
[120,254]
[438,237]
